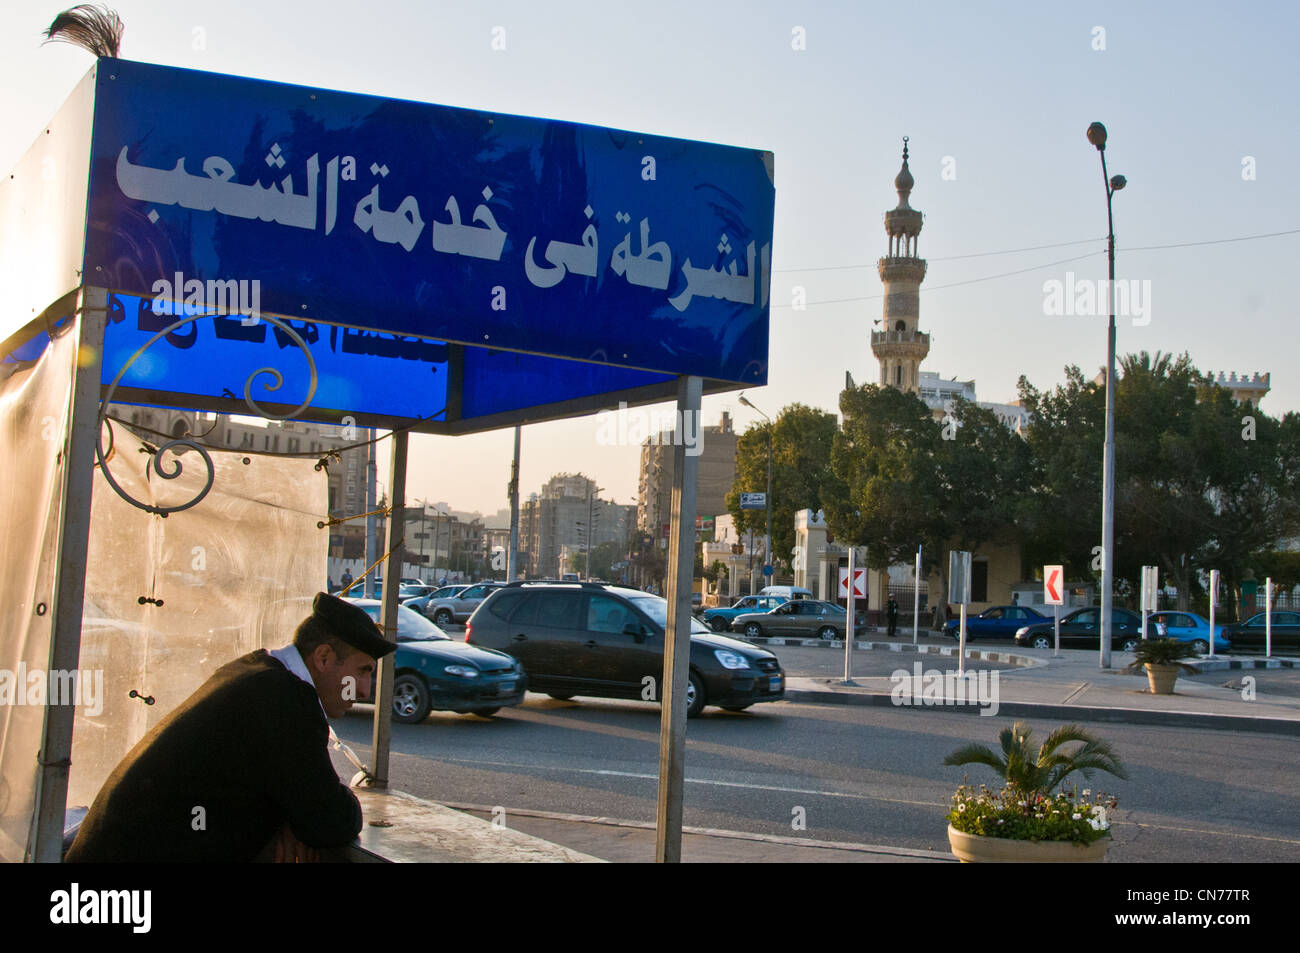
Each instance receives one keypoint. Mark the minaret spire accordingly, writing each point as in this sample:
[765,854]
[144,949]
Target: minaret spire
[899,345]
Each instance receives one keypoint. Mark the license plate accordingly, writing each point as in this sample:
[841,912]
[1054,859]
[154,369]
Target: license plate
[774,683]
[506,688]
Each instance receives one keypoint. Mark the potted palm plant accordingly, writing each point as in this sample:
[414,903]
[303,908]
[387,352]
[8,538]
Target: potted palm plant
[1026,821]
[1162,660]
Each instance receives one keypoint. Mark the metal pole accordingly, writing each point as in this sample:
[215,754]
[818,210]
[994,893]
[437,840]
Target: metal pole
[368,586]
[916,598]
[383,721]
[1214,601]
[1108,475]
[1268,617]
[1056,628]
[677,636]
[767,543]
[961,651]
[848,625]
[45,843]
[586,536]
[512,558]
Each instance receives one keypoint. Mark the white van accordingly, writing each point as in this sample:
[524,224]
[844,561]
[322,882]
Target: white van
[789,592]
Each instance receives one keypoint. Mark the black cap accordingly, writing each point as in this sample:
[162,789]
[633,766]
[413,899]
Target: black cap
[351,624]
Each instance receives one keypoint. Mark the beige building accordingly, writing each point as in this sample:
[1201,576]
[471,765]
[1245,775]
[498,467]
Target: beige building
[717,473]
[553,524]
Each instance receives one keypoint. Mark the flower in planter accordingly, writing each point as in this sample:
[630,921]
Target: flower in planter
[1025,809]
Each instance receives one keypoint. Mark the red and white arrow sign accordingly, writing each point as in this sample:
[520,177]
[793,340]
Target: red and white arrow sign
[859,583]
[1053,588]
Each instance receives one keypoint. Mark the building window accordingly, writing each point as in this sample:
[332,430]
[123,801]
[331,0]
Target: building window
[898,376]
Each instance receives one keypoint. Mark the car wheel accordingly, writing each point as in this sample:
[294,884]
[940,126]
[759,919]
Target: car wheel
[443,617]
[487,712]
[827,632]
[754,630]
[411,704]
[718,624]
[560,698]
[1202,647]
[1130,645]
[734,707]
[694,696]
[1043,642]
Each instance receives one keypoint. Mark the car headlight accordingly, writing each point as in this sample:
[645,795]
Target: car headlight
[730,659]
[1023,630]
[461,671]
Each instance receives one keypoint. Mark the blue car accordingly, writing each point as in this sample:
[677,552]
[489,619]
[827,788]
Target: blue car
[1193,628]
[998,622]
[432,671]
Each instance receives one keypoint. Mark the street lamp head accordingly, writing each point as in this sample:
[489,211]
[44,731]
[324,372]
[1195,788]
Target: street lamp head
[742,399]
[1117,182]
[1097,135]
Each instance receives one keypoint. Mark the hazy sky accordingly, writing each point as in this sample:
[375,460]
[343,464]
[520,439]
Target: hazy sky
[1199,100]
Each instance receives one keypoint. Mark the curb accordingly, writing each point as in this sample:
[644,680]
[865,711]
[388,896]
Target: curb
[1130,716]
[950,651]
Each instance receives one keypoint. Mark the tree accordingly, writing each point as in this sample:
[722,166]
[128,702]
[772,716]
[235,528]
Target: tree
[910,480]
[802,474]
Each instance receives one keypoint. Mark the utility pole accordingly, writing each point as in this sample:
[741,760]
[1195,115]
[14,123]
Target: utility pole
[512,488]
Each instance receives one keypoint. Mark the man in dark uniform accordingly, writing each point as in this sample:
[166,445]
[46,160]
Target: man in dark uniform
[891,613]
[241,767]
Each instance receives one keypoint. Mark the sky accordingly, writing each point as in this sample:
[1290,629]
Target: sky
[1198,98]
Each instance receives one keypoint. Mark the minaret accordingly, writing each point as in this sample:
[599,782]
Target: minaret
[899,345]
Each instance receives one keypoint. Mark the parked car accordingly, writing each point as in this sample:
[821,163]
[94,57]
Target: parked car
[790,592]
[719,619]
[433,671]
[798,618]
[459,607]
[1250,634]
[608,641]
[1082,629]
[1193,628]
[999,622]
[421,603]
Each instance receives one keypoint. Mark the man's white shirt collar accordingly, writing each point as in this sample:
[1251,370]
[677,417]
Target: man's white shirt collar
[291,658]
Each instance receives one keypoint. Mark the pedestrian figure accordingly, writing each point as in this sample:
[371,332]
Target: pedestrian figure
[891,612]
[346,580]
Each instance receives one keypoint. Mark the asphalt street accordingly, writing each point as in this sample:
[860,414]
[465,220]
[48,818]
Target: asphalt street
[831,773]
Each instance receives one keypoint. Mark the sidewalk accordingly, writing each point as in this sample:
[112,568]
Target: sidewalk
[1074,687]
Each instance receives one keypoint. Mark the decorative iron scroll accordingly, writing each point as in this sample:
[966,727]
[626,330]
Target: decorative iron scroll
[185,442]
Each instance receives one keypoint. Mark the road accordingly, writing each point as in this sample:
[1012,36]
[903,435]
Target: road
[850,774]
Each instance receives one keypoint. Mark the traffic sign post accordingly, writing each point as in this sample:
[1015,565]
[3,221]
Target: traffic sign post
[959,592]
[848,622]
[1214,602]
[916,597]
[1054,596]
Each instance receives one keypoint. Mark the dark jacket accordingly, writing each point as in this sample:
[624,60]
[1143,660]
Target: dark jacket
[249,749]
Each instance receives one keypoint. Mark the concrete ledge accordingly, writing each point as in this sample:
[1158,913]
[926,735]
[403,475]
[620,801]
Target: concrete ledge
[402,828]
[950,651]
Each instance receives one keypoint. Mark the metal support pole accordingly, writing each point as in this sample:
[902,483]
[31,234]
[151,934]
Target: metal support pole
[916,598]
[368,586]
[1214,601]
[55,760]
[383,723]
[677,635]
[1056,628]
[961,651]
[1268,617]
[848,625]
[1108,465]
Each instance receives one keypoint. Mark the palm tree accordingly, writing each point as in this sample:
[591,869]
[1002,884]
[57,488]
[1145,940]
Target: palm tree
[97,29]
[1034,776]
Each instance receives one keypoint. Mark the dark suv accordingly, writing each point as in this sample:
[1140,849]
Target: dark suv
[608,642]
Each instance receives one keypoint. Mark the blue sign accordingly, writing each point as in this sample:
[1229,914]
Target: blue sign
[753,501]
[768,570]
[556,239]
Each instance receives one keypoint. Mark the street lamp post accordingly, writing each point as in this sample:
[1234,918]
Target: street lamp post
[767,543]
[1097,136]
